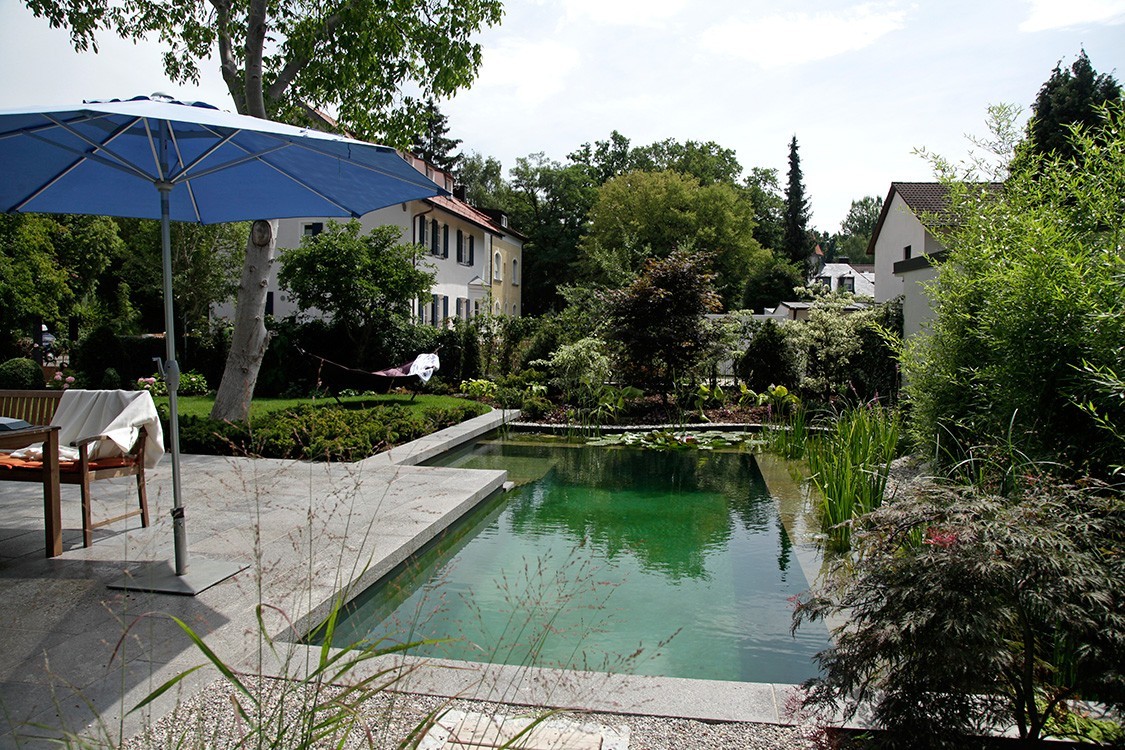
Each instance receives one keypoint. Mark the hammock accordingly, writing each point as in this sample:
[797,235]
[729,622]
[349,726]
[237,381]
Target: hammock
[424,366]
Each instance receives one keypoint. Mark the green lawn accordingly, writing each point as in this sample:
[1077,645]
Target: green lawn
[200,406]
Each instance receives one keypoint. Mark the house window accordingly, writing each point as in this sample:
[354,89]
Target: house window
[906,253]
[444,309]
[460,246]
[421,231]
[269,303]
[515,310]
[476,307]
[434,246]
[515,272]
[848,283]
[445,241]
[497,268]
[499,309]
[471,249]
[312,229]
[434,310]
[824,281]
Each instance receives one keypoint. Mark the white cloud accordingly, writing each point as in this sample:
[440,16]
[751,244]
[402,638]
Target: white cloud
[794,38]
[623,12]
[531,71]
[1060,14]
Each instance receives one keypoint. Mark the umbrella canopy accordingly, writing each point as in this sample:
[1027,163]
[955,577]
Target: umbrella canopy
[162,159]
[106,158]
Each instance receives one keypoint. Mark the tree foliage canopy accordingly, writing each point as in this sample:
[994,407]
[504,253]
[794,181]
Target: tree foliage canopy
[381,279]
[1069,97]
[644,215]
[353,56]
[796,242]
[658,323]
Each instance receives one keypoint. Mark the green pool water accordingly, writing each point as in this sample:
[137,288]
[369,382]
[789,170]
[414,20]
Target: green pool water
[621,560]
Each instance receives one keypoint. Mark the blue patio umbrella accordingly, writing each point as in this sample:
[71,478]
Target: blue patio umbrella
[155,158]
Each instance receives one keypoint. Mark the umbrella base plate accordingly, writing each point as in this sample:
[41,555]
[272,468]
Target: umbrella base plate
[160,578]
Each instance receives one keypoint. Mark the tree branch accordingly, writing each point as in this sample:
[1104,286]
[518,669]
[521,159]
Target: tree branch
[255,46]
[228,65]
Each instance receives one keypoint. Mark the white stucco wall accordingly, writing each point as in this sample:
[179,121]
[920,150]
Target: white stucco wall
[916,308]
[900,228]
[452,279]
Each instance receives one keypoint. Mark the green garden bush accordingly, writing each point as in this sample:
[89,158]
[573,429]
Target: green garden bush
[21,374]
[1028,336]
[320,433]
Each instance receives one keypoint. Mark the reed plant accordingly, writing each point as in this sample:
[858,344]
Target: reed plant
[849,463]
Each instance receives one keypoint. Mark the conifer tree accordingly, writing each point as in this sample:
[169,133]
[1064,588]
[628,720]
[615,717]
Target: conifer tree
[432,144]
[1069,97]
[796,243]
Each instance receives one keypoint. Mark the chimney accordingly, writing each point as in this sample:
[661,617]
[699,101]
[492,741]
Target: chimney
[459,193]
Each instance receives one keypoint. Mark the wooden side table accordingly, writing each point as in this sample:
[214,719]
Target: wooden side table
[52,513]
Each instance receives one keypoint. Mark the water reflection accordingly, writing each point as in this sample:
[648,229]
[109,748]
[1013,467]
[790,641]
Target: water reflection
[668,509]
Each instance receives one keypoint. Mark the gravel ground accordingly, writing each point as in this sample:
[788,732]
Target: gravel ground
[208,720]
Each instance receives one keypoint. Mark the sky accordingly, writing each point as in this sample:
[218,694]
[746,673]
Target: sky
[860,84]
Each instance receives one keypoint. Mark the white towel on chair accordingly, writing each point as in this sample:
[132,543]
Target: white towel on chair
[115,415]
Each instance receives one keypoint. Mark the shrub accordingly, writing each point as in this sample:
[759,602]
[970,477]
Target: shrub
[191,384]
[479,389]
[769,359]
[21,374]
[535,407]
[1028,310]
[99,351]
[967,612]
[579,370]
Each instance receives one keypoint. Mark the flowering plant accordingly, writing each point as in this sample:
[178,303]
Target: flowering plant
[61,381]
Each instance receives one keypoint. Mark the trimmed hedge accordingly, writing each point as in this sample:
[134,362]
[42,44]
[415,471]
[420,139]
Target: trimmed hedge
[320,433]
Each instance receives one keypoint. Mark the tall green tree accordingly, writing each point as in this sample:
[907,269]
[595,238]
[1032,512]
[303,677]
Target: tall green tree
[796,243]
[857,227]
[205,267]
[279,59]
[764,192]
[383,277]
[483,180]
[644,215]
[1069,97]
[433,143]
[33,284]
[549,204]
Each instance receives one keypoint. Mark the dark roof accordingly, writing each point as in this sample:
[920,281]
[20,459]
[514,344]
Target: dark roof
[921,198]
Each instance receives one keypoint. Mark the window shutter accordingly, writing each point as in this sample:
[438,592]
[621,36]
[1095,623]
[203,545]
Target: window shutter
[460,246]
[470,249]
[445,241]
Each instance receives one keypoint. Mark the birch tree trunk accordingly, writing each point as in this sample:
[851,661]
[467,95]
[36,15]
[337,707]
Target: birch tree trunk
[250,337]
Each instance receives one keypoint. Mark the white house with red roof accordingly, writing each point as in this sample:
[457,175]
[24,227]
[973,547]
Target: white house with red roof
[476,256]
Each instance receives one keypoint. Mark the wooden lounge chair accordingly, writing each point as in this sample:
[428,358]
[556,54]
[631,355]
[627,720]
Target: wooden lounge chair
[95,459]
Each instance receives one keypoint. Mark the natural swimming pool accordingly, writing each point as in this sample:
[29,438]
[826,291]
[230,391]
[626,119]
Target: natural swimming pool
[606,559]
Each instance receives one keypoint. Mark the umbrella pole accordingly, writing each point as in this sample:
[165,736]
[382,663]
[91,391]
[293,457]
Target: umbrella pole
[204,573]
[172,378]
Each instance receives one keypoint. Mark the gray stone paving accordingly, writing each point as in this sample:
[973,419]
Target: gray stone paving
[77,656]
